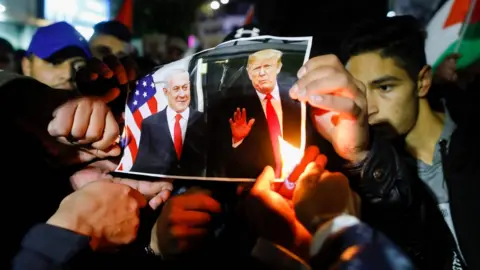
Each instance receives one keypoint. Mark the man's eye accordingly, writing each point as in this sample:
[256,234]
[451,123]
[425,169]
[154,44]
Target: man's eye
[385,88]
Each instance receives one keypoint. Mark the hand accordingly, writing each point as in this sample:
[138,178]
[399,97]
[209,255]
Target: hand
[91,79]
[112,78]
[105,211]
[272,217]
[183,223]
[240,127]
[156,192]
[340,113]
[321,195]
[88,124]
[447,70]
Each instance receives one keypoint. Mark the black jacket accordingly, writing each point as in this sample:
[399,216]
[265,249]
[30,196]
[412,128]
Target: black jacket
[398,203]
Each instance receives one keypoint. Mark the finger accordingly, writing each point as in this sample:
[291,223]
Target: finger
[97,122]
[158,200]
[152,189]
[112,151]
[130,67]
[142,202]
[310,155]
[117,68]
[110,133]
[191,218]
[330,60]
[299,89]
[82,119]
[251,122]
[200,202]
[321,161]
[111,95]
[63,118]
[335,84]
[230,121]
[307,179]
[265,180]
[313,168]
[244,115]
[187,232]
[237,115]
[345,106]
[96,66]
[84,155]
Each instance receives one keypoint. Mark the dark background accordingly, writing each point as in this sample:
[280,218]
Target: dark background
[327,20]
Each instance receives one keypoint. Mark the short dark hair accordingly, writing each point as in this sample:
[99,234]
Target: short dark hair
[113,28]
[401,38]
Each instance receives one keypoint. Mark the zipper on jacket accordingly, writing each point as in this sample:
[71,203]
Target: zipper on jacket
[443,154]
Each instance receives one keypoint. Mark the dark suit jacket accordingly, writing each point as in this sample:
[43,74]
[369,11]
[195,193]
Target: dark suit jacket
[256,151]
[156,153]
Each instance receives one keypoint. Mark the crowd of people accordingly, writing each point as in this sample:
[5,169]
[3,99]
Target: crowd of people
[399,130]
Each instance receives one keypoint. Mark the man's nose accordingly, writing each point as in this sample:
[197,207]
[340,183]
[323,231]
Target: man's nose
[181,93]
[262,71]
[372,109]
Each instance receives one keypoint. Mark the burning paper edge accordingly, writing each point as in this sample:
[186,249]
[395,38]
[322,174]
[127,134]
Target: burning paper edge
[291,156]
[303,127]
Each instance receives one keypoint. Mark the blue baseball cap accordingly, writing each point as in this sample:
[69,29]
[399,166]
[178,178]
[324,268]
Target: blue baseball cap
[55,37]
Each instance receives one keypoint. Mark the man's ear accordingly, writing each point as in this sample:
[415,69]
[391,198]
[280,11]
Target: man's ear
[279,68]
[26,66]
[165,90]
[424,81]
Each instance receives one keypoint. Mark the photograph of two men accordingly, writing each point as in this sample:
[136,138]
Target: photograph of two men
[221,114]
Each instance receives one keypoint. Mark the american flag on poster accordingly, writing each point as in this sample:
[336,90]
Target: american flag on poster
[141,103]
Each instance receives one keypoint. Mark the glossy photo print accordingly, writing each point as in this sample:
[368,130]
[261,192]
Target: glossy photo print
[221,115]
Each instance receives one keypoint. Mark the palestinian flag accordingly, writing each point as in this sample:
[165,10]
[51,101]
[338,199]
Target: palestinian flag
[455,28]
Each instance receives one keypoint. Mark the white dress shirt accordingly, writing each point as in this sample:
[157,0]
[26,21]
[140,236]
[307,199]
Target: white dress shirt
[277,105]
[183,122]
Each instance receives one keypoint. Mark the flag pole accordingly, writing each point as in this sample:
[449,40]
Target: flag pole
[463,30]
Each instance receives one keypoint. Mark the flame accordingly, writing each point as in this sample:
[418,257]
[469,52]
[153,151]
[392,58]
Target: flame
[291,156]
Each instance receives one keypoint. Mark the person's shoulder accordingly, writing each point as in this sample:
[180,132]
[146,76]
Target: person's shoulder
[152,119]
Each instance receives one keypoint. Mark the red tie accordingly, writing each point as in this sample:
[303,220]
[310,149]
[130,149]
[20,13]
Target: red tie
[275,132]
[177,136]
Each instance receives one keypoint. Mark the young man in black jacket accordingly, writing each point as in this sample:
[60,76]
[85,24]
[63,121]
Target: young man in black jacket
[415,163]
[434,157]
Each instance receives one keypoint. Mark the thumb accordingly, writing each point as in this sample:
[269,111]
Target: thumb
[251,122]
[265,180]
[307,179]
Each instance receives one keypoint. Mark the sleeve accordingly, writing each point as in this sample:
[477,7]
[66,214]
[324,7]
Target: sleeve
[49,247]
[383,179]
[344,242]
[276,257]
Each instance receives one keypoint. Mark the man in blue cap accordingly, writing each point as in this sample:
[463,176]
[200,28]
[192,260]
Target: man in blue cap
[55,53]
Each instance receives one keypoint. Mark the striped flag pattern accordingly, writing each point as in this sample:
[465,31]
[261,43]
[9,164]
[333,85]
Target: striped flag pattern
[141,103]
